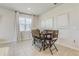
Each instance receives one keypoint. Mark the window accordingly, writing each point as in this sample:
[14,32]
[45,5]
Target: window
[47,23]
[25,23]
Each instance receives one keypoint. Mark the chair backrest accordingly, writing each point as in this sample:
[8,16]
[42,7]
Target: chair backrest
[48,31]
[35,32]
[48,34]
[55,33]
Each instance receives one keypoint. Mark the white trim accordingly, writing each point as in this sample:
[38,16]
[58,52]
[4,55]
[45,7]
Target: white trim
[7,42]
[68,46]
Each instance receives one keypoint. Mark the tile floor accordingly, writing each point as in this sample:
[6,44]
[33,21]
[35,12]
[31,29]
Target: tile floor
[25,48]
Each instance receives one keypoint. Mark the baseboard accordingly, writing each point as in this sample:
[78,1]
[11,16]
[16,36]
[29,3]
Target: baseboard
[68,46]
[8,42]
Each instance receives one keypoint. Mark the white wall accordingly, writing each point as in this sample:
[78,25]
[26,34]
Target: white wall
[35,22]
[7,26]
[71,33]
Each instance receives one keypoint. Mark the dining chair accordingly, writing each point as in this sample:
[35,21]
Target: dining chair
[37,38]
[35,35]
[50,39]
[55,38]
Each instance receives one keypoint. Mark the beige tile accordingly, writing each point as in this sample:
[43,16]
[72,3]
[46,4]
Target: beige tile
[25,48]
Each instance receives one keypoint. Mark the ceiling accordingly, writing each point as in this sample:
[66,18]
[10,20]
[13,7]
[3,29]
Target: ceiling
[30,8]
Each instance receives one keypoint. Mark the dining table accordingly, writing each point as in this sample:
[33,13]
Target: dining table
[47,39]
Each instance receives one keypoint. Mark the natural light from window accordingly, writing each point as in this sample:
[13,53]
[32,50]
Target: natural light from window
[25,23]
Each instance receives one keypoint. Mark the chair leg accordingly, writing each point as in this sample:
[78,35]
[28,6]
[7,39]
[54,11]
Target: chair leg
[50,45]
[33,41]
[55,47]
[50,49]
[40,49]
[43,44]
